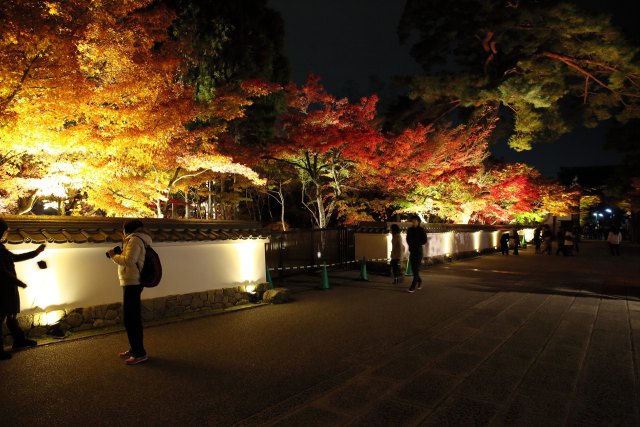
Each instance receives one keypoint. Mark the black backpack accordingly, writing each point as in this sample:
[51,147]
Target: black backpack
[151,272]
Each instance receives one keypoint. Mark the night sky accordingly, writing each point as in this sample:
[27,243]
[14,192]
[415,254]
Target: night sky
[353,46]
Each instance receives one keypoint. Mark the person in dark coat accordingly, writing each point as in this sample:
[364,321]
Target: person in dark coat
[537,239]
[397,253]
[516,241]
[560,238]
[546,238]
[416,239]
[9,296]
[504,244]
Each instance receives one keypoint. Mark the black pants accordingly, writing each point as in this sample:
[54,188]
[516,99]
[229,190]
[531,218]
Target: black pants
[14,328]
[615,250]
[131,312]
[504,249]
[395,268]
[416,261]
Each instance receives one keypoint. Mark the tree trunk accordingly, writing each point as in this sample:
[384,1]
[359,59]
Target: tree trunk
[209,200]
[186,206]
[322,221]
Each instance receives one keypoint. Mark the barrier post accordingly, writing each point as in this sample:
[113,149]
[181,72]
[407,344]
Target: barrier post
[408,271]
[269,280]
[325,277]
[363,270]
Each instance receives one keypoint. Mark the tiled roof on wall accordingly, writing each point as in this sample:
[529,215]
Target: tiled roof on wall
[43,229]
[383,227]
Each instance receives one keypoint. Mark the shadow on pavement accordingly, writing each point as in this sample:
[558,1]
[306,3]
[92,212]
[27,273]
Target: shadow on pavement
[578,290]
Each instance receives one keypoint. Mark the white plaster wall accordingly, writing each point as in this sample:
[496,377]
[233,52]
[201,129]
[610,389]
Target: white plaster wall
[378,246]
[82,276]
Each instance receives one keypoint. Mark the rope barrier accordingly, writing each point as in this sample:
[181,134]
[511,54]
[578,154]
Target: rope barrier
[302,267]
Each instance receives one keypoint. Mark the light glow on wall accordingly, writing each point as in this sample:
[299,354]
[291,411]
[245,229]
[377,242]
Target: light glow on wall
[495,238]
[247,252]
[476,240]
[80,275]
[447,242]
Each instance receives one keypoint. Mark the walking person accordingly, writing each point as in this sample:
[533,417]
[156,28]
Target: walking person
[537,239]
[577,238]
[9,296]
[130,263]
[614,238]
[397,253]
[516,241]
[504,244]
[568,242]
[560,242]
[546,238]
[416,239]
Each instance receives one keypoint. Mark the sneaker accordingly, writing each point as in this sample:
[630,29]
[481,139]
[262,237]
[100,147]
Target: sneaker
[411,290]
[125,354]
[24,344]
[419,286]
[4,355]
[135,360]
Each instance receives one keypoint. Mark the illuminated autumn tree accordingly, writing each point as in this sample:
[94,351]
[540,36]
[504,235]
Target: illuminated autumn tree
[94,92]
[548,65]
[321,137]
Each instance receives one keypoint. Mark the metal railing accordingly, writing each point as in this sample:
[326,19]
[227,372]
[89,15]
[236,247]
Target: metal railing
[294,251]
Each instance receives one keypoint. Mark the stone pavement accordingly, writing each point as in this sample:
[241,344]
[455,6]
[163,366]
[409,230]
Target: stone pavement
[528,340]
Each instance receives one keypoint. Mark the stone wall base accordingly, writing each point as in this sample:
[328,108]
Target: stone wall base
[37,325]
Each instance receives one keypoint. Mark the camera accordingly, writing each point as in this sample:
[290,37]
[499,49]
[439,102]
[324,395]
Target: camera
[117,250]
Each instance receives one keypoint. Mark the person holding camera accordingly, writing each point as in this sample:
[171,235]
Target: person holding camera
[130,260]
[9,296]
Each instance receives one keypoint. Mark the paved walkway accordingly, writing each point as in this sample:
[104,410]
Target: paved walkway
[528,340]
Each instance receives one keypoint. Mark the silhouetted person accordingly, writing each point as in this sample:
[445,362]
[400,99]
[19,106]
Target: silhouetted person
[504,244]
[537,239]
[546,239]
[9,296]
[416,239]
[516,241]
[560,239]
[567,249]
[397,253]
[614,238]
[577,237]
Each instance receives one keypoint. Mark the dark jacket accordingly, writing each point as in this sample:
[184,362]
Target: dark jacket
[416,238]
[9,297]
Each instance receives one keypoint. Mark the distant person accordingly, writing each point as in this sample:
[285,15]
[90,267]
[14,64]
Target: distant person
[614,238]
[416,239]
[577,238]
[569,239]
[504,244]
[397,253]
[537,239]
[130,263]
[546,239]
[560,238]
[9,296]
[516,241]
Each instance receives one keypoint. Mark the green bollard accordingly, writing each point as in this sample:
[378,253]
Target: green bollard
[363,270]
[325,277]
[408,271]
[269,279]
